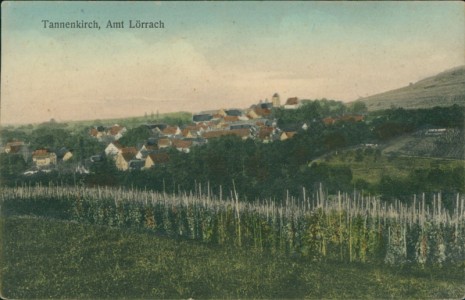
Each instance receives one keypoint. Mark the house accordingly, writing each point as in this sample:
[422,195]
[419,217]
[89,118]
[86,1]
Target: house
[292,103]
[116,131]
[231,119]
[194,130]
[265,134]
[163,143]
[252,115]
[243,133]
[171,131]
[64,154]
[233,113]
[154,159]
[145,150]
[44,158]
[189,133]
[220,113]
[182,145]
[287,135]
[96,133]
[14,147]
[262,112]
[124,157]
[159,126]
[197,118]
[112,133]
[113,149]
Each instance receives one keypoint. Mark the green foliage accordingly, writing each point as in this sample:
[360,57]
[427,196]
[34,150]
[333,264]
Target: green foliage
[136,136]
[309,112]
[11,134]
[358,107]
[395,121]
[11,165]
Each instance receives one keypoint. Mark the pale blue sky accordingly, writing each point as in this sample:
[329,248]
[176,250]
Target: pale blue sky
[216,54]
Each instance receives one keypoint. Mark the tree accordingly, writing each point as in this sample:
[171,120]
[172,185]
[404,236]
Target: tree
[335,140]
[136,135]
[359,107]
[359,155]
[11,167]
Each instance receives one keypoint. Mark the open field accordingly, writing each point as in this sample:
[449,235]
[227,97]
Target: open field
[46,258]
[371,167]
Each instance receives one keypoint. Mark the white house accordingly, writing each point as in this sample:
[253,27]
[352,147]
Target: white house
[113,149]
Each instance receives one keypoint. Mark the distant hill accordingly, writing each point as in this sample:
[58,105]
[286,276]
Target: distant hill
[444,89]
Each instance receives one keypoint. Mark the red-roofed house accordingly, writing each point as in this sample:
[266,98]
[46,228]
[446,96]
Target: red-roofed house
[116,131]
[262,112]
[287,135]
[265,134]
[14,147]
[124,157]
[163,143]
[43,158]
[155,159]
[171,131]
[243,133]
[292,103]
[230,119]
[182,145]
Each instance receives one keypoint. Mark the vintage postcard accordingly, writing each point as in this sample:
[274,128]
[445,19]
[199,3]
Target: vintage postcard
[238,150]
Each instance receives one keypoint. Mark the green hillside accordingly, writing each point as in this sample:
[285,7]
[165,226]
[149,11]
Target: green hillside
[444,89]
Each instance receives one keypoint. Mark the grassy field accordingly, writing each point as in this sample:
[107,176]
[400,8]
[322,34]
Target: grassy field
[44,258]
[371,168]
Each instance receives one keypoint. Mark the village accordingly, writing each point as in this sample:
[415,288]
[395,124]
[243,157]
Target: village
[255,122]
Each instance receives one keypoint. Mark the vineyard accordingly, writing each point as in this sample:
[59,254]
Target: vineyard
[343,227]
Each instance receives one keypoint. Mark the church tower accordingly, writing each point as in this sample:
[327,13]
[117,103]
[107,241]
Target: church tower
[275,100]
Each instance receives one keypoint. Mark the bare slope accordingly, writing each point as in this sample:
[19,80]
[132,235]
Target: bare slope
[444,89]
